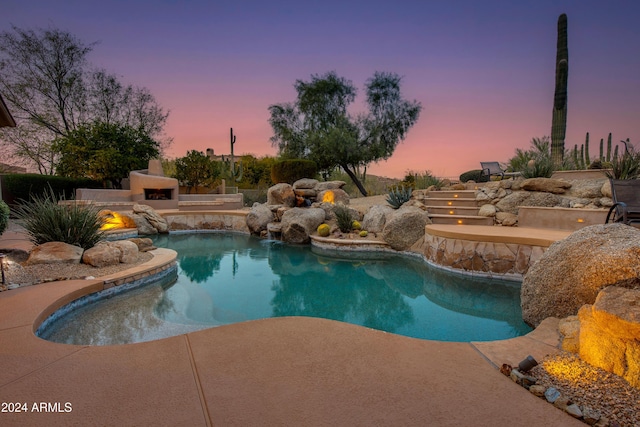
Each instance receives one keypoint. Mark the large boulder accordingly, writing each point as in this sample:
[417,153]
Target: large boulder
[102,255]
[144,244]
[512,202]
[546,185]
[404,227]
[572,271]
[586,188]
[305,184]
[154,218]
[610,333]
[55,253]
[144,227]
[299,223]
[487,211]
[281,194]
[376,217]
[330,185]
[128,250]
[336,196]
[258,218]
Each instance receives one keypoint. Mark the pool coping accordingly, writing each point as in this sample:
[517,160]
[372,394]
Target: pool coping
[301,365]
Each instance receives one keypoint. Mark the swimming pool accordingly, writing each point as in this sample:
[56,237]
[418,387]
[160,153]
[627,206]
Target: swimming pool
[227,278]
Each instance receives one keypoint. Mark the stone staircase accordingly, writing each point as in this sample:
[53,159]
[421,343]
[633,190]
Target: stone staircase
[454,207]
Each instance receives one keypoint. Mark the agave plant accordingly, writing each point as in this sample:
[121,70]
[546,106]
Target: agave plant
[46,220]
[398,196]
[343,217]
[626,166]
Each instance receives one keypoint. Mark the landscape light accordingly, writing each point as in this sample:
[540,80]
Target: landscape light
[2,266]
[527,364]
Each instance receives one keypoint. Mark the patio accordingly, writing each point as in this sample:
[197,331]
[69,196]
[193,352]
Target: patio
[284,371]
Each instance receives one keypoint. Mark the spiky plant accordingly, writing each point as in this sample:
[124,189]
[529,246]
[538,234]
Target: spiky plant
[541,167]
[398,196]
[343,217]
[626,166]
[46,220]
[4,216]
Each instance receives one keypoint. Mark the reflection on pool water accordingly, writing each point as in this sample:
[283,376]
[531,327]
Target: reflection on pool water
[227,278]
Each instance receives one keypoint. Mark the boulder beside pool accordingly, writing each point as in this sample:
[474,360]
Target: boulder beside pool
[573,270]
[299,223]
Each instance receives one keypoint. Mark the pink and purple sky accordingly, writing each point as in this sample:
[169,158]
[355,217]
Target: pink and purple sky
[484,71]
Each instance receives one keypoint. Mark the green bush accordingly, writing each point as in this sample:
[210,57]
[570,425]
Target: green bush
[626,166]
[398,196]
[421,180]
[291,170]
[4,216]
[474,175]
[343,218]
[26,186]
[46,220]
[541,167]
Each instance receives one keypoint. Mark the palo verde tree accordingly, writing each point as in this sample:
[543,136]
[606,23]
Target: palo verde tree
[104,152]
[318,126]
[196,169]
[52,90]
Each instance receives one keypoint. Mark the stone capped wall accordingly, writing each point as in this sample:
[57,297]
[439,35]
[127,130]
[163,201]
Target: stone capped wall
[490,258]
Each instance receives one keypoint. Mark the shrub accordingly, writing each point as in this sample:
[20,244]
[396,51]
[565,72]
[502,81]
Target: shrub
[363,233]
[418,180]
[398,196]
[46,220]
[626,166]
[356,225]
[4,216]
[343,217]
[324,230]
[474,175]
[291,170]
[541,167]
[25,186]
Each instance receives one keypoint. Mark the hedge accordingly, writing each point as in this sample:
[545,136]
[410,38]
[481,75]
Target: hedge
[25,186]
[291,170]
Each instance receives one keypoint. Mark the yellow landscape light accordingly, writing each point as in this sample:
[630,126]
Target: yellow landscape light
[449,203]
[451,212]
[459,221]
[113,220]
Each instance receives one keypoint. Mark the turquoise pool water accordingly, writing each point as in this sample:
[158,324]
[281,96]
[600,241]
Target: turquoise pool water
[227,278]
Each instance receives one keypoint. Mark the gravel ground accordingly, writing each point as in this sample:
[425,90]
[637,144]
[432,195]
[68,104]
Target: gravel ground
[587,386]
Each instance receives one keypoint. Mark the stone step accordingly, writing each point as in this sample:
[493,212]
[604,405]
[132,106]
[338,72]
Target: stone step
[461,219]
[445,194]
[453,210]
[471,203]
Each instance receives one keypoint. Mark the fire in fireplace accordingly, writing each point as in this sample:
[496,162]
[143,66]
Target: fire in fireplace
[158,193]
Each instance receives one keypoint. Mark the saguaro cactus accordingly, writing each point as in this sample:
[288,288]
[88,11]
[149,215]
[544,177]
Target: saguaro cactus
[559,118]
[233,141]
[234,174]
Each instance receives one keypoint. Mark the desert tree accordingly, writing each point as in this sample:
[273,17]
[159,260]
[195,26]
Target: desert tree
[318,126]
[104,152]
[51,90]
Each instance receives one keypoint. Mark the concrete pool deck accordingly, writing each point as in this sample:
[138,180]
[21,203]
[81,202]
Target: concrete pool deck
[281,371]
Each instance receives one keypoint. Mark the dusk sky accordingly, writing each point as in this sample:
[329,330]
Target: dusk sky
[484,71]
